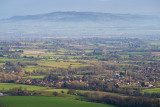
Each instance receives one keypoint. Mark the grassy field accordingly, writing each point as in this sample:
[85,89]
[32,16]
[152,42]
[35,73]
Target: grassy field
[6,59]
[49,92]
[30,68]
[35,77]
[43,101]
[62,64]
[7,86]
[154,90]
[131,86]
[57,90]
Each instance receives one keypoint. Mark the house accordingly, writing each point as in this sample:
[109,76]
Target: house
[1,94]
[149,85]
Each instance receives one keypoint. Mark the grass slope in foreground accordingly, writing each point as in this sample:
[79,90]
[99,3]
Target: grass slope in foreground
[43,101]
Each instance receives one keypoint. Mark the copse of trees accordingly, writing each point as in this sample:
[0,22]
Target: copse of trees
[151,95]
[77,85]
[55,93]
[51,77]
[72,92]
[20,92]
[122,101]
[12,77]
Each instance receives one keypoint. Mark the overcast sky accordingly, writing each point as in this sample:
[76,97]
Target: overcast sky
[9,8]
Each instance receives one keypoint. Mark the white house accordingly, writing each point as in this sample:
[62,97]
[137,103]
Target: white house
[1,94]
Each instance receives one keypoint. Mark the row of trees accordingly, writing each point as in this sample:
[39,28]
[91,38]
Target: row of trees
[121,101]
[118,100]
[22,92]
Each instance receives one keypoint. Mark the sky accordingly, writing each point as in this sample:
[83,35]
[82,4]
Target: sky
[9,8]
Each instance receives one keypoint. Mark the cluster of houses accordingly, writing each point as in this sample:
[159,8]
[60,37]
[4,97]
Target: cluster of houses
[117,79]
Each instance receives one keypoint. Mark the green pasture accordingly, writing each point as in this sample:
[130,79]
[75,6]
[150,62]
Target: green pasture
[45,61]
[16,60]
[7,86]
[137,53]
[35,77]
[30,68]
[75,57]
[57,90]
[50,55]
[47,64]
[6,59]
[22,55]
[62,64]
[125,56]
[131,86]
[43,101]
[153,90]
[2,63]
[50,91]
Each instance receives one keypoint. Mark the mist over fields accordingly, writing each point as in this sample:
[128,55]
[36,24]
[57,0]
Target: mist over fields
[81,24]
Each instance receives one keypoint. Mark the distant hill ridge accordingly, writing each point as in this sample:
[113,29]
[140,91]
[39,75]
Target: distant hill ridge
[82,23]
[83,16]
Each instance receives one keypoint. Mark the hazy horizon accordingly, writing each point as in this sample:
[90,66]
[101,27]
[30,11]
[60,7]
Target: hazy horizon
[9,8]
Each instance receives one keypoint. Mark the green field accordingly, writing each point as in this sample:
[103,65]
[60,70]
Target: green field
[42,101]
[32,68]
[35,77]
[7,86]
[137,53]
[62,64]
[6,59]
[154,90]
[49,92]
